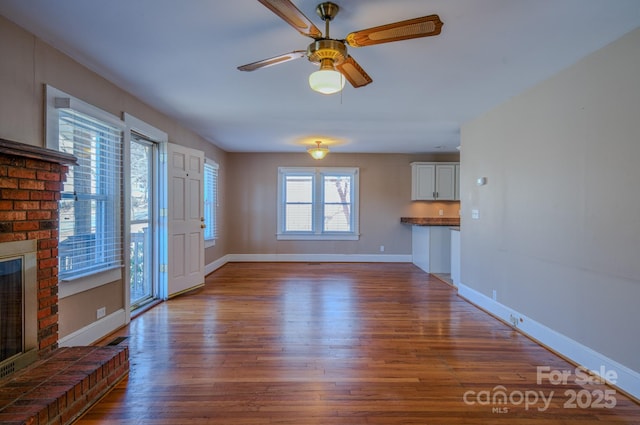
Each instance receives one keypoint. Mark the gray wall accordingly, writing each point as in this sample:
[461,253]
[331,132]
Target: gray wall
[559,231]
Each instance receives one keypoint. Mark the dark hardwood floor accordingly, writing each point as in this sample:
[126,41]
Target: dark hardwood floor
[299,343]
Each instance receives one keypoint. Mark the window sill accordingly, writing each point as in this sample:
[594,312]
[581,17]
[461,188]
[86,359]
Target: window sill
[70,287]
[314,237]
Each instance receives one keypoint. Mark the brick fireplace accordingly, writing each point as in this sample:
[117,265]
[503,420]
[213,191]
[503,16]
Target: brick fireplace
[31,180]
[61,383]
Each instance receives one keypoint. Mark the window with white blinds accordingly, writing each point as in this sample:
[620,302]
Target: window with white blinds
[90,212]
[210,201]
[318,203]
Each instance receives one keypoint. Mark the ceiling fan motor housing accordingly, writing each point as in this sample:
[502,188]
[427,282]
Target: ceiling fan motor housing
[331,54]
[327,49]
[327,10]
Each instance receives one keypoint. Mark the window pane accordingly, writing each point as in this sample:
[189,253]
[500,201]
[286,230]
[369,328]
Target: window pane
[337,204]
[82,248]
[298,218]
[337,189]
[337,218]
[76,217]
[299,189]
[140,180]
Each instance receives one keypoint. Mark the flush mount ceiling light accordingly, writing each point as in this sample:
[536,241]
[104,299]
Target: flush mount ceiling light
[318,152]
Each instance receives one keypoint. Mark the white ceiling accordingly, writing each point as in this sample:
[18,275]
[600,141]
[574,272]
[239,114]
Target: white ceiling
[180,56]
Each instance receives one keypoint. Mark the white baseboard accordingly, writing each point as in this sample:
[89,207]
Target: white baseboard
[627,380]
[315,258]
[322,258]
[95,331]
[215,265]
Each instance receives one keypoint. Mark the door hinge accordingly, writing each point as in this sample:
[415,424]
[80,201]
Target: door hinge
[163,212]
[164,268]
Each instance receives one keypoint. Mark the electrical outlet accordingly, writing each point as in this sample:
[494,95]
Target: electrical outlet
[441,212]
[495,295]
[101,312]
[381,248]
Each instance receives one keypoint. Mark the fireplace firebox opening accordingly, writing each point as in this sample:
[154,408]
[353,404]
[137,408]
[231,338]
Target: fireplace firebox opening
[18,305]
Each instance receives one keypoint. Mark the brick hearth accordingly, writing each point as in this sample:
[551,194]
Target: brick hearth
[62,386]
[64,382]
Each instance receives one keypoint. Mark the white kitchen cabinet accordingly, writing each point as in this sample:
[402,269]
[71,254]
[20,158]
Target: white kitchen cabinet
[432,181]
[423,181]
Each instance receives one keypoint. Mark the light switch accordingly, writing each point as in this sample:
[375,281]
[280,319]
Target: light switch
[475,214]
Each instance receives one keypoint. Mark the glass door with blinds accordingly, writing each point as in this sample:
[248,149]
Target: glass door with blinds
[143,252]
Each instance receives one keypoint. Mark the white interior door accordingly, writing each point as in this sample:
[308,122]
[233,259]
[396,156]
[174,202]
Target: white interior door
[185,172]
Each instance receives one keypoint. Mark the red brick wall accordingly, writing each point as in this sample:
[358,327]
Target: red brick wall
[29,194]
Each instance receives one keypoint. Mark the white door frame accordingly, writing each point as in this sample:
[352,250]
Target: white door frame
[161,138]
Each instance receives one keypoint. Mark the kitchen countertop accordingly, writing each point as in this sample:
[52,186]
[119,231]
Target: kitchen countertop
[431,221]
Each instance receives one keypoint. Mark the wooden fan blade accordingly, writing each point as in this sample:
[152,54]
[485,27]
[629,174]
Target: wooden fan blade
[292,15]
[412,28]
[354,73]
[297,54]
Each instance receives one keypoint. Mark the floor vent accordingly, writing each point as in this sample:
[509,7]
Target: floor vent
[7,369]
[118,340]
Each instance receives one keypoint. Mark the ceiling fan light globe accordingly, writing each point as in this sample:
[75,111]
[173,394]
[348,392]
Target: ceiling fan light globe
[326,81]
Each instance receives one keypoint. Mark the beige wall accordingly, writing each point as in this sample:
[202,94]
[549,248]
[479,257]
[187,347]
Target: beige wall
[27,65]
[247,182]
[385,196]
[559,229]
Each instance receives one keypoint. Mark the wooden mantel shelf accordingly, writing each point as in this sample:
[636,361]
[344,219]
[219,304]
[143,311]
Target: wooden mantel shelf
[431,221]
[10,147]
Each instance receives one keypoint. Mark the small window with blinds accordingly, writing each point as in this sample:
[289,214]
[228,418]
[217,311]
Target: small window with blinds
[210,202]
[318,203]
[90,210]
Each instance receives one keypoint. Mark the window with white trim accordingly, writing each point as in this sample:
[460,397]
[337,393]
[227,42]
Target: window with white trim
[318,203]
[210,201]
[90,232]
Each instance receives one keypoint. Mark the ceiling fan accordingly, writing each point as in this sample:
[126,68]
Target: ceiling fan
[336,64]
